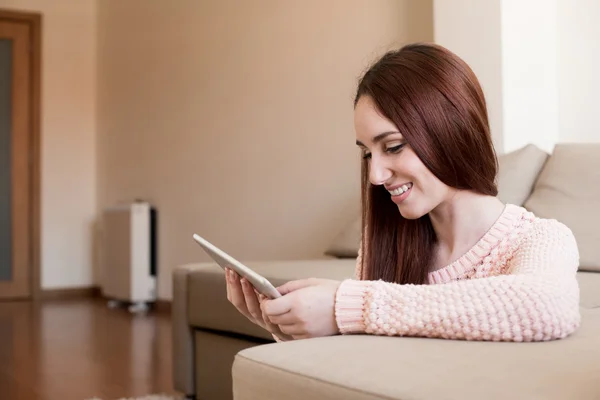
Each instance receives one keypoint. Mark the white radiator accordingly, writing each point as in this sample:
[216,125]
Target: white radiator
[128,253]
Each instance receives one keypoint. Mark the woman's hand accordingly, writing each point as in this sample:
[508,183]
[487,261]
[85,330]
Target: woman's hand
[306,309]
[242,295]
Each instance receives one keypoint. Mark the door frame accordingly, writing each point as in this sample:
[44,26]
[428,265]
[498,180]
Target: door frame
[34,20]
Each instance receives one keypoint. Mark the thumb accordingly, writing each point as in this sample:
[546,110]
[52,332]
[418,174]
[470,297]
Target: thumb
[294,285]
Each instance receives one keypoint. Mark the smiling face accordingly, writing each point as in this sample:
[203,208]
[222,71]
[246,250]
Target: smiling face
[393,164]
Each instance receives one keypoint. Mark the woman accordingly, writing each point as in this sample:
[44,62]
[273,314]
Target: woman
[441,256]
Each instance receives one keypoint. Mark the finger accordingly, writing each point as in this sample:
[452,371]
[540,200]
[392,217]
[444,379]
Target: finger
[227,285]
[237,296]
[251,300]
[277,306]
[300,337]
[274,329]
[294,330]
[270,327]
[294,285]
[283,319]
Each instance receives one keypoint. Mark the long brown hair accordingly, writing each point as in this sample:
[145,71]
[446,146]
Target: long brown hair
[435,100]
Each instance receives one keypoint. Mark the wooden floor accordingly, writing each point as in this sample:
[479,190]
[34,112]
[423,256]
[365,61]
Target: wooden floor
[81,349]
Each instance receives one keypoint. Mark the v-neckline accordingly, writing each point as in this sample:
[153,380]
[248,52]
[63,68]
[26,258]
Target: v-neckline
[472,257]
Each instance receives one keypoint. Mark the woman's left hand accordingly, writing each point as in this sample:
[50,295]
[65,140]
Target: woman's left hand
[306,309]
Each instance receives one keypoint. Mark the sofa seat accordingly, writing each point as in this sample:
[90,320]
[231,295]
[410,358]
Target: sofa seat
[381,367]
[209,309]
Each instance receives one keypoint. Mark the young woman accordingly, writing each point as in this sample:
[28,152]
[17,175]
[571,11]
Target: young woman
[440,255]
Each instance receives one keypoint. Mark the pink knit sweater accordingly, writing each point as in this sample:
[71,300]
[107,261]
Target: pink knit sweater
[518,283]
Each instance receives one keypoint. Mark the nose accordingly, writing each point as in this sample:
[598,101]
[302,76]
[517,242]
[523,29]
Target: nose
[379,173]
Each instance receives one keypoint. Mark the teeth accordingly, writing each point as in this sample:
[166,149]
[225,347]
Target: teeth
[400,190]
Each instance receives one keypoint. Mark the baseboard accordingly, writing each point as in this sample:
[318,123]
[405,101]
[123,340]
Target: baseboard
[70,293]
[163,306]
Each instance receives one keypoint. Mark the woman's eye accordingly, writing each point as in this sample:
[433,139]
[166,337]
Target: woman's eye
[395,149]
[366,155]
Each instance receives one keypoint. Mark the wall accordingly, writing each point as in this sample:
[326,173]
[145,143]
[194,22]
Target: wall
[578,66]
[235,118]
[529,74]
[472,30]
[537,63]
[68,149]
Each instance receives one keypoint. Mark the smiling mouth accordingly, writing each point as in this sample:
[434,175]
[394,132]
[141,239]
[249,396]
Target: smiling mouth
[401,189]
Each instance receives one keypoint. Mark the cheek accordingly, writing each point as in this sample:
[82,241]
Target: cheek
[432,187]
[409,168]
[425,182]
[416,172]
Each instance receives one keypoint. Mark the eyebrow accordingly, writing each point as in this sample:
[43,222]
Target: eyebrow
[378,138]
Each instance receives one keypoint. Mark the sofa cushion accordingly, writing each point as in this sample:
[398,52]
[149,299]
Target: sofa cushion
[589,288]
[208,307]
[517,173]
[380,367]
[568,190]
[346,243]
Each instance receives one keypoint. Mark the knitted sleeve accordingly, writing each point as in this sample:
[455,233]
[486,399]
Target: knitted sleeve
[536,299]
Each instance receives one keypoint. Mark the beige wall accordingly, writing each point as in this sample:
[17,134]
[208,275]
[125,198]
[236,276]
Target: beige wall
[235,118]
[68,134]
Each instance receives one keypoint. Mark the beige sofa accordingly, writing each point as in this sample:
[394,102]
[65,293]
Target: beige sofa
[220,355]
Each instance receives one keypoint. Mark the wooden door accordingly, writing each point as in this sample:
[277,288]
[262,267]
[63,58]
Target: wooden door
[16,162]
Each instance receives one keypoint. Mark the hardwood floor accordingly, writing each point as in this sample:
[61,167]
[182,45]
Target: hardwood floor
[80,349]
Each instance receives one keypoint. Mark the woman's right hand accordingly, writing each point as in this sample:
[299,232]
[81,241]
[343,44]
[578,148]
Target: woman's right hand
[242,295]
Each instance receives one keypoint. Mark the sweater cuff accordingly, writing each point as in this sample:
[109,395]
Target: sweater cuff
[349,306]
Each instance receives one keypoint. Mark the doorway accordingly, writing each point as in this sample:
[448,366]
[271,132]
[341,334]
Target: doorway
[20,41]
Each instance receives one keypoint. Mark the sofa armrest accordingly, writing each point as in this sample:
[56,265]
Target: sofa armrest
[182,333]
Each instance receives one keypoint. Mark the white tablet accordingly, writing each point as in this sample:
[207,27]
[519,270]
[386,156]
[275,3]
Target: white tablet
[259,282]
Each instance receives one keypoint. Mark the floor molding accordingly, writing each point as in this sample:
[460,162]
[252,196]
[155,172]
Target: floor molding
[163,306]
[160,305]
[70,293]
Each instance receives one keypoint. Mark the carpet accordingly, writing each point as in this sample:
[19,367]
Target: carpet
[149,397]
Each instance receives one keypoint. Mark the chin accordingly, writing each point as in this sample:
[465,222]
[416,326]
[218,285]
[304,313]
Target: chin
[408,212]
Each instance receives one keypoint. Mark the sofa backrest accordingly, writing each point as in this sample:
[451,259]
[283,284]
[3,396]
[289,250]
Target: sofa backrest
[568,190]
[517,173]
